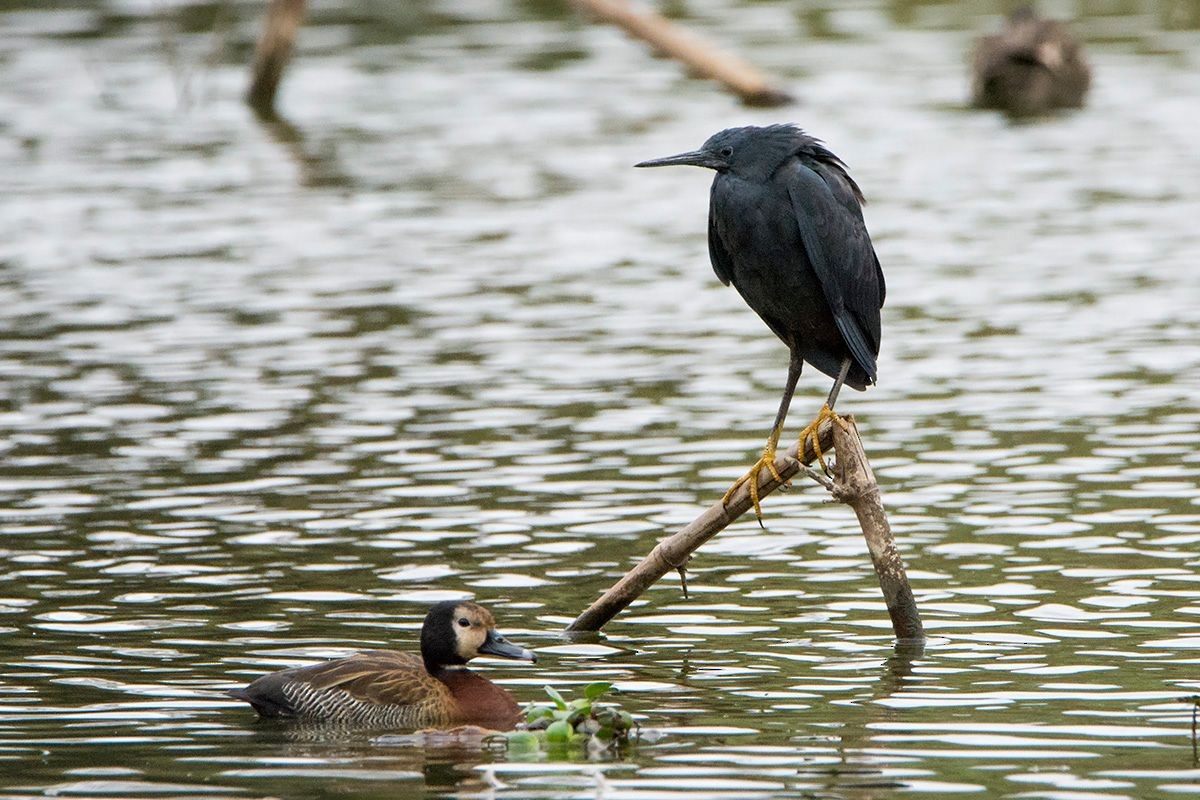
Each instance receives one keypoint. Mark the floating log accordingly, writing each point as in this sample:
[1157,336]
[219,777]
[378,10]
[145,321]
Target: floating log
[699,55]
[853,483]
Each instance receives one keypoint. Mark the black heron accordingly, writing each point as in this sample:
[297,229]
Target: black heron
[785,227]
[1031,67]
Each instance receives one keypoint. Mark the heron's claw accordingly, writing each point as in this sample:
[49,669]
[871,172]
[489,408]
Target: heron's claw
[767,462]
[813,429]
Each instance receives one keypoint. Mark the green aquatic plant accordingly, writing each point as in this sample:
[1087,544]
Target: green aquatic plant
[562,728]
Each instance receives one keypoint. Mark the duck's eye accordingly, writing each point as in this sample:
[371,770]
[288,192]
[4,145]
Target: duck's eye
[726,152]
[464,622]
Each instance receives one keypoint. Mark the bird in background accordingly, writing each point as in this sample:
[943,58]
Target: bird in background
[785,228]
[1031,67]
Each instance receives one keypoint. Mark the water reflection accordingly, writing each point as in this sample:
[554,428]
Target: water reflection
[254,416]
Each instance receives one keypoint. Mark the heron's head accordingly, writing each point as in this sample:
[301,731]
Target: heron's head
[748,151]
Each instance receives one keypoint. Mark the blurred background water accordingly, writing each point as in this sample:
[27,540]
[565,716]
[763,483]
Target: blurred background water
[268,391]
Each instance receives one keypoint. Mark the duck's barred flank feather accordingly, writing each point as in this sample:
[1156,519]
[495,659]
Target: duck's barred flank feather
[340,707]
[376,688]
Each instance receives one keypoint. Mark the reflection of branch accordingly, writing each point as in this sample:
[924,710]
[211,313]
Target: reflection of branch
[315,170]
[855,735]
[273,52]
[854,484]
[899,666]
[1195,753]
[270,59]
[223,22]
[168,40]
[1194,701]
[699,56]
[188,88]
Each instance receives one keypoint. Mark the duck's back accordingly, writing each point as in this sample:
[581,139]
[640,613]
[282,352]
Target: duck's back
[380,688]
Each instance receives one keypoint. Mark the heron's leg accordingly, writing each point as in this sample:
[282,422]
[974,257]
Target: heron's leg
[767,459]
[837,384]
[826,412]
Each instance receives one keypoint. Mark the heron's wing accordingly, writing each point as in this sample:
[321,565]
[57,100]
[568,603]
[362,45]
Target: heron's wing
[840,251]
[717,253]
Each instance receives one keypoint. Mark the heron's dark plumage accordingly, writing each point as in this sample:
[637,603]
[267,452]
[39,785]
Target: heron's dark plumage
[786,230]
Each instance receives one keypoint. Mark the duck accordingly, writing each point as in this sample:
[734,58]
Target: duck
[1033,66]
[391,689]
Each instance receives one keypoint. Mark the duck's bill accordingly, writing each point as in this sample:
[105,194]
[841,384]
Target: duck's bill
[497,645]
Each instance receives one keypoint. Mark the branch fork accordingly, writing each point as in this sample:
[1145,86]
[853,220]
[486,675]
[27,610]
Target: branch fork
[853,483]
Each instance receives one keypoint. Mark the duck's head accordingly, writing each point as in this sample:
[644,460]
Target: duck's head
[457,631]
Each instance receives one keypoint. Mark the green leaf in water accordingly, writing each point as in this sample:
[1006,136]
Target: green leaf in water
[559,732]
[522,742]
[556,697]
[536,713]
[595,690]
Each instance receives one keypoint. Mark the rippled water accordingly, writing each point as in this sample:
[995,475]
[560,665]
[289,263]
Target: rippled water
[266,393]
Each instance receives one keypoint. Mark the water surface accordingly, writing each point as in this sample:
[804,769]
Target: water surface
[267,392]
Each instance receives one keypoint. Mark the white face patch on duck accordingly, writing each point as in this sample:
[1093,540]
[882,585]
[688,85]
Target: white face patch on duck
[471,624]
[475,634]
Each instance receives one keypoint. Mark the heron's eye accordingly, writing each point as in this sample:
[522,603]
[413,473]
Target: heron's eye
[464,622]
[726,152]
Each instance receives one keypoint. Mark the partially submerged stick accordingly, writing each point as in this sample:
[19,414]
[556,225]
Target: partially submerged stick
[854,484]
[700,56]
[273,52]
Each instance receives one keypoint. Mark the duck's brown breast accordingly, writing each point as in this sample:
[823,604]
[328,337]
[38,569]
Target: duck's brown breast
[478,701]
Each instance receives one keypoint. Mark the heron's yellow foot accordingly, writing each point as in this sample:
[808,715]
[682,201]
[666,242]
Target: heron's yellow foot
[766,461]
[811,431]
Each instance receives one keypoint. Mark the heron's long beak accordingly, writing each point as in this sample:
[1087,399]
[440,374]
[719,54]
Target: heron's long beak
[693,158]
[497,645]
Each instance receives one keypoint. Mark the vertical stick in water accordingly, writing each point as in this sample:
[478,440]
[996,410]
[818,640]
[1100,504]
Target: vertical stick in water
[273,52]
[855,485]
